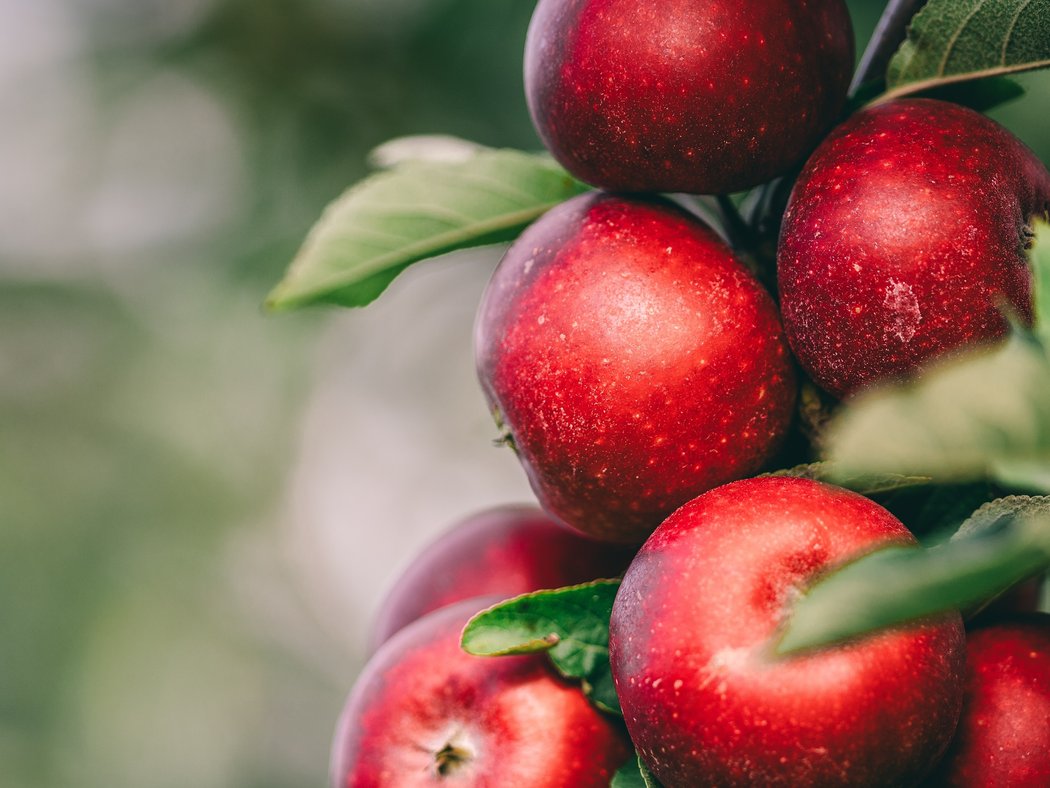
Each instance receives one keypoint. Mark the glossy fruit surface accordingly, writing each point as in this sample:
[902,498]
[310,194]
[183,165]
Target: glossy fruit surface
[634,362]
[506,551]
[700,96]
[692,633]
[1004,733]
[905,234]
[425,713]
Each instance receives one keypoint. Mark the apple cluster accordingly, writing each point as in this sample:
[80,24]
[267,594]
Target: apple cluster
[645,376]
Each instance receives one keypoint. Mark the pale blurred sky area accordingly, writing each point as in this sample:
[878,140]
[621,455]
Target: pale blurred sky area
[201,504]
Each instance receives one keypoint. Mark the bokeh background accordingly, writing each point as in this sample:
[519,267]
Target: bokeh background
[200,504]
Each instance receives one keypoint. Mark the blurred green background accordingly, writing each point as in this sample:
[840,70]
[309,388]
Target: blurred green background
[199,504]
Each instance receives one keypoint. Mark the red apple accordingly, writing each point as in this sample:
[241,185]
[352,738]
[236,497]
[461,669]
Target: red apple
[425,713]
[634,362]
[692,635]
[904,236]
[699,96]
[508,551]
[1004,733]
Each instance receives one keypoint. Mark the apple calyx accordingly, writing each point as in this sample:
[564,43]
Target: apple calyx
[452,758]
[506,437]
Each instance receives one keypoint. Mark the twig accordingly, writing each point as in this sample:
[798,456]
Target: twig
[889,34]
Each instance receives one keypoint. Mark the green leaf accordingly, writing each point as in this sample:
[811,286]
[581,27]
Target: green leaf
[634,774]
[986,415]
[1004,543]
[1000,513]
[960,40]
[421,208]
[571,624]
[1040,257]
[870,484]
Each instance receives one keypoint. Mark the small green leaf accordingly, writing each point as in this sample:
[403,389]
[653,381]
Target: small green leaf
[985,415]
[1040,257]
[1003,544]
[634,774]
[1000,513]
[960,40]
[571,624]
[423,207]
[869,485]
[628,776]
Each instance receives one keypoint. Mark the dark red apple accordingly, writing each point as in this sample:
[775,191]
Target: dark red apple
[505,551]
[904,236]
[692,636]
[634,362]
[1004,733]
[425,713]
[699,96]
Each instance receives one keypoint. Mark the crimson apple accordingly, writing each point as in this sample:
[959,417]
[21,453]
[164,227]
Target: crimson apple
[699,96]
[692,636]
[904,236]
[633,360]
[508,550]
[1004,732]
[426,713]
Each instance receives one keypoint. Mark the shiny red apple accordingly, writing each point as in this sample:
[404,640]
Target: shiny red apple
[634,362]
[699,96]
[904,238]
[506,551]
[692,636]
[426,713]
[1004,733]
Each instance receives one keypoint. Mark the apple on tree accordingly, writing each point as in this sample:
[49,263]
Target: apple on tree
[1004,732]
[697,96]
[425,713]
[505,551]
[634,362]
[904,238]
[692,639]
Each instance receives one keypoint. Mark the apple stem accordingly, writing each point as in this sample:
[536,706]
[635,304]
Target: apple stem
[890,33]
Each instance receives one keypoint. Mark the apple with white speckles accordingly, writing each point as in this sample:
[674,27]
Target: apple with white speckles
[426,713]
[904,237]
[1004,734]
[699,96]
[691,644]
[634,362]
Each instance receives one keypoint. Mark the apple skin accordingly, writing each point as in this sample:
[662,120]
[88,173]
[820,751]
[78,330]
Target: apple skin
[1004,733]
[505,551]
[633,360]
[691,638]
[698,96]
[511,720]
[904,234]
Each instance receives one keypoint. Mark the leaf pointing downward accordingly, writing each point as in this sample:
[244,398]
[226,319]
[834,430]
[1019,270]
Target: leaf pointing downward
[957,40]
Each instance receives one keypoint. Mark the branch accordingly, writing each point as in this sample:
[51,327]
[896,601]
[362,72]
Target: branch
[889,34]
